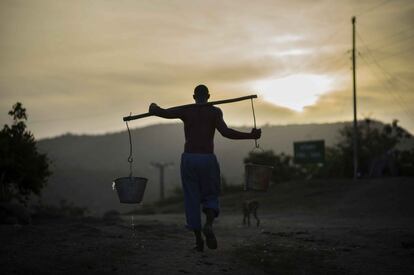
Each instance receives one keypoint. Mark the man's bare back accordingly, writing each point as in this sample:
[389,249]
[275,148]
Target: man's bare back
[200,123]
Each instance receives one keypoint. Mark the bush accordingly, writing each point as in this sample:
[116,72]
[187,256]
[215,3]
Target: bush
[227,188]
[375,141]
[283,168]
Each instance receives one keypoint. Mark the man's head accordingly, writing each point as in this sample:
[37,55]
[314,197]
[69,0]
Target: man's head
[201,94]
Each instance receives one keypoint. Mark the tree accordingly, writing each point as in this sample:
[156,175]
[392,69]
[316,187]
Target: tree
[406,162]
[375,140]
[23,170]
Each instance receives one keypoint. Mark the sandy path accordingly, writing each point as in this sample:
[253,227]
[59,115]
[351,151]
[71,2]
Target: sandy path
[310,244]
[288,244]
[93,246]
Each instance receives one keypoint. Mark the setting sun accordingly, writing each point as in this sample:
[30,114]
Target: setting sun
[295,91]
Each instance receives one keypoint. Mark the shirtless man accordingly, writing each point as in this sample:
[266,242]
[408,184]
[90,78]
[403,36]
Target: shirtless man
[200,171]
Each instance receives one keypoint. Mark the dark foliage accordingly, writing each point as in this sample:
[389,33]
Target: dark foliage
[405,162]
[23,170]
[378,147]
[283,168]
[376,141]
[228,188]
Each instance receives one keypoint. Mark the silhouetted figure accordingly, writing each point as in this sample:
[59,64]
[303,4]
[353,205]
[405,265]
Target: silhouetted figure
[250,207]
[200,171]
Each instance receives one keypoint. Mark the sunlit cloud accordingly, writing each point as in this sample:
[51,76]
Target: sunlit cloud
[293,52]
[86,58]
[295,91]
[287,38]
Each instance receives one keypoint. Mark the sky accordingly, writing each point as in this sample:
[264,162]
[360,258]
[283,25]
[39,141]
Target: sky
[80,66]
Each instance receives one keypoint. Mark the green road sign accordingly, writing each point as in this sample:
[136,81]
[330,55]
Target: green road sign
[307,152]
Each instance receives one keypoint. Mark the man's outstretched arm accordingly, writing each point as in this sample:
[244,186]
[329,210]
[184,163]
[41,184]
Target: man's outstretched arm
[227,132]
[165,113]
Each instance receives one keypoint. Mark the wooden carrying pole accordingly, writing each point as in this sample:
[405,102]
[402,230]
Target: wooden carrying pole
[128,118]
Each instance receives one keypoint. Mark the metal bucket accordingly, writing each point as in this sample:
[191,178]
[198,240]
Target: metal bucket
[258,177]
[130,189]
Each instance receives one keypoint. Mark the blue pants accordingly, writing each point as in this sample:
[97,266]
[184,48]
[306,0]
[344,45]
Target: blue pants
[200,177]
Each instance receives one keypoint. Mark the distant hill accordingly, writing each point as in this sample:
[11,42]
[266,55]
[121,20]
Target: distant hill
[375,199]
[84,165]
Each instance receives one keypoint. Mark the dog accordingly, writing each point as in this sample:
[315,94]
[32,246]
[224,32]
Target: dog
[250,207]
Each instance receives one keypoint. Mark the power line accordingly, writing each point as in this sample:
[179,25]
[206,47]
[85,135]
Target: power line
[394,77]
[393,35]
[391,45]
[375,61]
[388,76]
[315,51]
[373,8]
[407,51]
[396,99]
[370,52]
[338,62]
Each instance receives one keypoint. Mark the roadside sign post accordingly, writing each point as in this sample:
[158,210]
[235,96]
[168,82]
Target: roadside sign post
[309,152]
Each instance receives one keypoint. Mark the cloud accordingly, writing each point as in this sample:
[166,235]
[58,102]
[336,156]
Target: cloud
[106,57]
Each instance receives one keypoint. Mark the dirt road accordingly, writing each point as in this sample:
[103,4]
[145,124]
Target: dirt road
[289,244]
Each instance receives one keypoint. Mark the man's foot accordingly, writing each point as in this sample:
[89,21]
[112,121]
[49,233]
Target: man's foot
[211,240]
[199,246]
[199,241]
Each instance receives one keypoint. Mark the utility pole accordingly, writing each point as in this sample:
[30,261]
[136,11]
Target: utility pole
[161,166]
[355,133]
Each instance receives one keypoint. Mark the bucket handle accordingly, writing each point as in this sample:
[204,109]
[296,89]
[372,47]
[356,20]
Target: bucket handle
[130,158]
[257,148]
[256,144]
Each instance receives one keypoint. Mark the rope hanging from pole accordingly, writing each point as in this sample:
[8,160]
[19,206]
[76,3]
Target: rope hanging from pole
[254,119]
[130,158]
